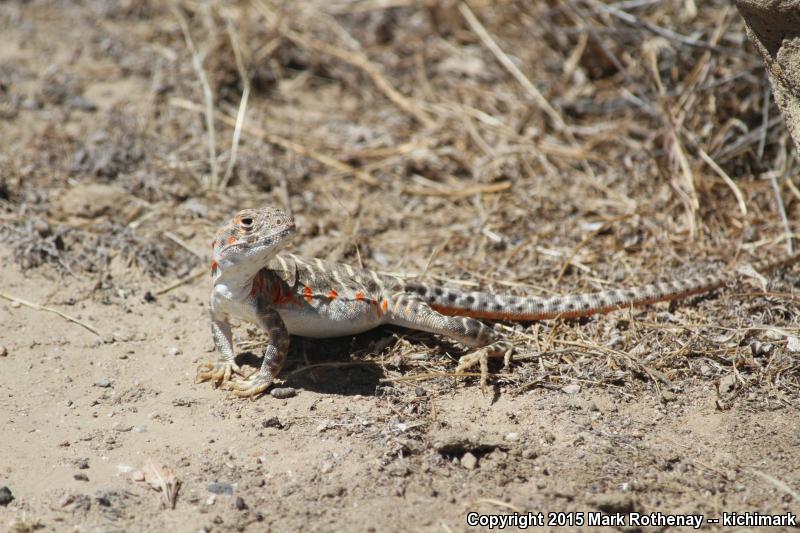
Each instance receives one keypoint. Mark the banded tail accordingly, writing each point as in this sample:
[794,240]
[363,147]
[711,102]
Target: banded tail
[523,308]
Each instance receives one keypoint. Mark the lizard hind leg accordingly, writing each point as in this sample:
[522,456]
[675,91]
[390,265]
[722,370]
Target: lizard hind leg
[411,312]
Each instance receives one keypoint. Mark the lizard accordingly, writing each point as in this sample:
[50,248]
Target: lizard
[286,294]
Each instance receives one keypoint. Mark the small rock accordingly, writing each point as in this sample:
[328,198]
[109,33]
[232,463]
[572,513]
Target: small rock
[103,499]
[137,476]
[175,351]
[420,392]
[124,469]
[15,305]
[3,351]
[272,422]
[31,104]
[68,403]
[727,384]
[220,488]
[104,383]
[82,463]
[572,388]
[792,345]
[469,461]
[80,477]
[759,348]
[82,103]
[5,496]
[282,393]
[668,396]
[512,436]
[239,503]
[139,429]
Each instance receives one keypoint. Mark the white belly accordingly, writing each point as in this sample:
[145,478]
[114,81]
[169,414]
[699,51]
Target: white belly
[312,324]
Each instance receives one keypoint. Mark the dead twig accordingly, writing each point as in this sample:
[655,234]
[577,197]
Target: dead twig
[38,307]
[240,115]
[194,275]
[286,144]
[208,97]
[501,56]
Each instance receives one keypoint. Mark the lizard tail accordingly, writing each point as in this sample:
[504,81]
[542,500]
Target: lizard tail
[507,307]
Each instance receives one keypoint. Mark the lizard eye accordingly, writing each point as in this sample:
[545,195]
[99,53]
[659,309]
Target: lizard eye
[246,222]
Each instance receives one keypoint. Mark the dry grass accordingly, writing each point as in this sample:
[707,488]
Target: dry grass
[542,147]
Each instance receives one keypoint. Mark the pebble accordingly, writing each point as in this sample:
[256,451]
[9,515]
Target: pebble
[175,351]
[239,503]
[5,496]
[220,488]
[82,103]
[282,393]
[80,477]
[3,351]
[792,345]
[512,436]
[727,384]
[139,429]
[271,422]
[572,388]
[469,461]
[668,396]
[104,383]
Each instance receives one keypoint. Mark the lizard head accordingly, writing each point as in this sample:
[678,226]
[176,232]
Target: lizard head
[244,245]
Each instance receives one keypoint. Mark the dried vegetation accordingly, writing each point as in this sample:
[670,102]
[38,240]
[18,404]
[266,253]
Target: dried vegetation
[533,147]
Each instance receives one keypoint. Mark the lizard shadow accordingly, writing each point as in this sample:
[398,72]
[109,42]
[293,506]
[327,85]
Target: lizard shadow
[338,365]
[330,365]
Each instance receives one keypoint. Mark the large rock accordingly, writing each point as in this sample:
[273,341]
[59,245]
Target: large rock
[774,27]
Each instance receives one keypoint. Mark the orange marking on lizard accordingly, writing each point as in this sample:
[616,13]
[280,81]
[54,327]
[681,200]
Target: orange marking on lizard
[308,293]
[214,266]
[385,305]
[360,296]
[232,240]
[278,295]
[332,294]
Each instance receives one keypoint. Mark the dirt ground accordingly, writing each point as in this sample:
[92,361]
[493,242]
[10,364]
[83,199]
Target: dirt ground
[523,147]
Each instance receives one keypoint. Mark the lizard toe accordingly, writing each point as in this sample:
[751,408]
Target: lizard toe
[252,387]
[218,372]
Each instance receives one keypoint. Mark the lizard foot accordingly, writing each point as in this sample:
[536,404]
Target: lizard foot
[252,387]
[481,356]
[218,371]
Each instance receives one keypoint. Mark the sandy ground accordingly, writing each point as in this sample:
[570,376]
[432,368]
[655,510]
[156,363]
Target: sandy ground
[675,409]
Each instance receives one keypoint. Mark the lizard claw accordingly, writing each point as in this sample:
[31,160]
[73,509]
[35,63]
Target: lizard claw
[498,349]
[218,371]
[252,387]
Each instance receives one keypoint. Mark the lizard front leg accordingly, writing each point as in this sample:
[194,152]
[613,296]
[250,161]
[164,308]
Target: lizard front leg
[219,371]
[411,312]
[274,356]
